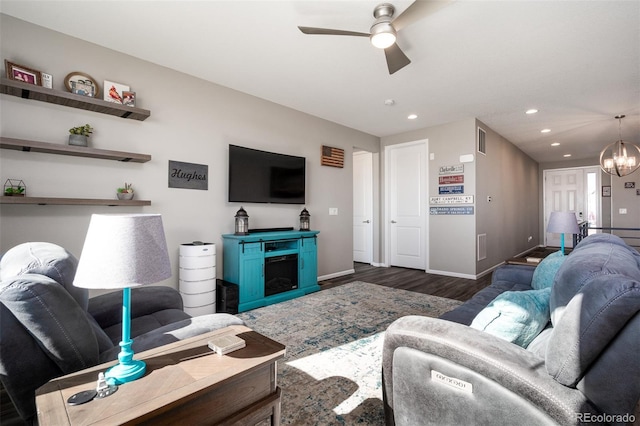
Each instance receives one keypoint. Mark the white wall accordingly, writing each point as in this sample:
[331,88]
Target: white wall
[191,121]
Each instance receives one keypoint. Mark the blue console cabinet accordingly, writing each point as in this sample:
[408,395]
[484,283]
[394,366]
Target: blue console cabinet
[255,262]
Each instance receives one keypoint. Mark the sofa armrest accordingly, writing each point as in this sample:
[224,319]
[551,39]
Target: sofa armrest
[440,372]
[107,308]
[521,274]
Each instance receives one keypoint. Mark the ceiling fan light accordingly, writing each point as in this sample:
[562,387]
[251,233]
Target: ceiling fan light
[383,35]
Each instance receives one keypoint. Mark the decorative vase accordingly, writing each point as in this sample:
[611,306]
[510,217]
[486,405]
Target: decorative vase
[78,140]
[125,195]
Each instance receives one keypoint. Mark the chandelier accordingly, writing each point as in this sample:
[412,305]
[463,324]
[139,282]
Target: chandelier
[620,158]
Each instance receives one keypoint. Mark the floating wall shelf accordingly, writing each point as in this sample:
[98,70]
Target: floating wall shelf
[72,150]
[39,93]
[72,201]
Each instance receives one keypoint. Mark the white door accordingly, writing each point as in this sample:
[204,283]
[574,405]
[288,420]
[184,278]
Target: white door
[564,191]
[362,206]
[406,193]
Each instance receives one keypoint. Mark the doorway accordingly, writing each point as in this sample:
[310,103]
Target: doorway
[576,190]
[363,207]
[406,204]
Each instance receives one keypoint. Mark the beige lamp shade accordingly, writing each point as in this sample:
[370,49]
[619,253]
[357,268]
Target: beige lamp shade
[122,251]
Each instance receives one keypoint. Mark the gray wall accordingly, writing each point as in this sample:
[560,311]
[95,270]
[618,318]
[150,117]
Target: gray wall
[191,121]
[511,219]
[506,174]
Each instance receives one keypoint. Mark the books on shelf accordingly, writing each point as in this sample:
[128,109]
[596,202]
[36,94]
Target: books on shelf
[226,343]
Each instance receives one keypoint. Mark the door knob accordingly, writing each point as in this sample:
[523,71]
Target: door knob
[393,221]
[366,221]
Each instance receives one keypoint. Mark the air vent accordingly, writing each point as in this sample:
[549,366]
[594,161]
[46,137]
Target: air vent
[482,246]
[482,141]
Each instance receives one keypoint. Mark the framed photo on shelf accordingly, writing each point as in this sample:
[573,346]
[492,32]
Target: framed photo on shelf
[129,98]
[81,84]
[22,73]
[113,91]
[606,191]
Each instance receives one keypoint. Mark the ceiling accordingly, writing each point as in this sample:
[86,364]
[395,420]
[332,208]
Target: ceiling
[577,62]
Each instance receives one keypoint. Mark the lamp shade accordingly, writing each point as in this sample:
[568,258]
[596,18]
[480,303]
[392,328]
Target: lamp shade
[563,223]
[123,251]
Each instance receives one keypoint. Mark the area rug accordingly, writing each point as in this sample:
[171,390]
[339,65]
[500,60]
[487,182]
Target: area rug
[331,374]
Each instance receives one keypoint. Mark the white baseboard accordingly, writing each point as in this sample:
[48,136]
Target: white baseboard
[451,274]
[336,275]
[528,250]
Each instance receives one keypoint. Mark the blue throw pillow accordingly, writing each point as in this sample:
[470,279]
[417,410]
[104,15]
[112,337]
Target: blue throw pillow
[546,270]
[515,316]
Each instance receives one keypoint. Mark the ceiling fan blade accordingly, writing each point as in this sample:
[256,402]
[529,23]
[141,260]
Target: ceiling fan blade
[326,31]
[418,10]
[396,59]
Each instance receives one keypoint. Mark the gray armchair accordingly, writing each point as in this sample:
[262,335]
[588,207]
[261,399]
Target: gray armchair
[583,368]
[51,328]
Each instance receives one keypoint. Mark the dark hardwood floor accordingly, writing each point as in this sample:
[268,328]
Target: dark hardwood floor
[413,280]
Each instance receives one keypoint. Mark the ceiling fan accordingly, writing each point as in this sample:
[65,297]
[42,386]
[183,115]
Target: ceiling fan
[384,30]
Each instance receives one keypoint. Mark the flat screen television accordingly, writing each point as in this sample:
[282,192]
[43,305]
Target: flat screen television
[265,177]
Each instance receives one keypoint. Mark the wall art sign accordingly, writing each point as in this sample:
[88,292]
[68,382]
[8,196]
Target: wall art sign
[452,199]
[188,175]
[452,170]
[446,180]
[333,157]
[453,210]
[451,189]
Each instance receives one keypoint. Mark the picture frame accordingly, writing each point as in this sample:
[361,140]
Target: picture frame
[83,84]
[629,185]
[606,191]
[113,91]
[21,73]
[129,98]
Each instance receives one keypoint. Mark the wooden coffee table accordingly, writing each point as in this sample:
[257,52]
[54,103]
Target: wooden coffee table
[185,383]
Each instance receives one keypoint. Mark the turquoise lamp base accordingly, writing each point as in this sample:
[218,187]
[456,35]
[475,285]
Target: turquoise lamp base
[562,244]
[123,373]
[128,369]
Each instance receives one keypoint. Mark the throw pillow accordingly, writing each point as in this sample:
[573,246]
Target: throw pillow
[515,316]
[546,270]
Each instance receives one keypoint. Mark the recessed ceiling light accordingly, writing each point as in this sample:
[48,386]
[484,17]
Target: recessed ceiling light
[412,116]
[555,144]
[545,130]
[389,102]
[567,155]
[531,111]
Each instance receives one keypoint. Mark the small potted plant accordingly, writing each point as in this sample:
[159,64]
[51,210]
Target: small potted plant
[126,192]
[80,135]
[14,188]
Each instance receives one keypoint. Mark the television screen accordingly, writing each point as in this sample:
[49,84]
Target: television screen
[265,177]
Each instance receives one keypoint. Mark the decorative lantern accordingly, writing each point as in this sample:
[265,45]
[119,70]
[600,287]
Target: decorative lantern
[304,220]
[242,222]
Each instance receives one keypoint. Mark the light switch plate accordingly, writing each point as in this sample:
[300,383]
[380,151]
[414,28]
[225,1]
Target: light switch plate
[333,211]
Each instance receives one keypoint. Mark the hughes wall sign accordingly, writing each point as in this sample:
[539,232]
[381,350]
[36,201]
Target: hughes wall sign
[188,175]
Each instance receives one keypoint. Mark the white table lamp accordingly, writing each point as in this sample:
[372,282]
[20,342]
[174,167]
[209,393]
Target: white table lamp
[124,251]
[563,223]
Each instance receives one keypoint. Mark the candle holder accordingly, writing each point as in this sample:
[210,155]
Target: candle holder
[305,220]
[242,222]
